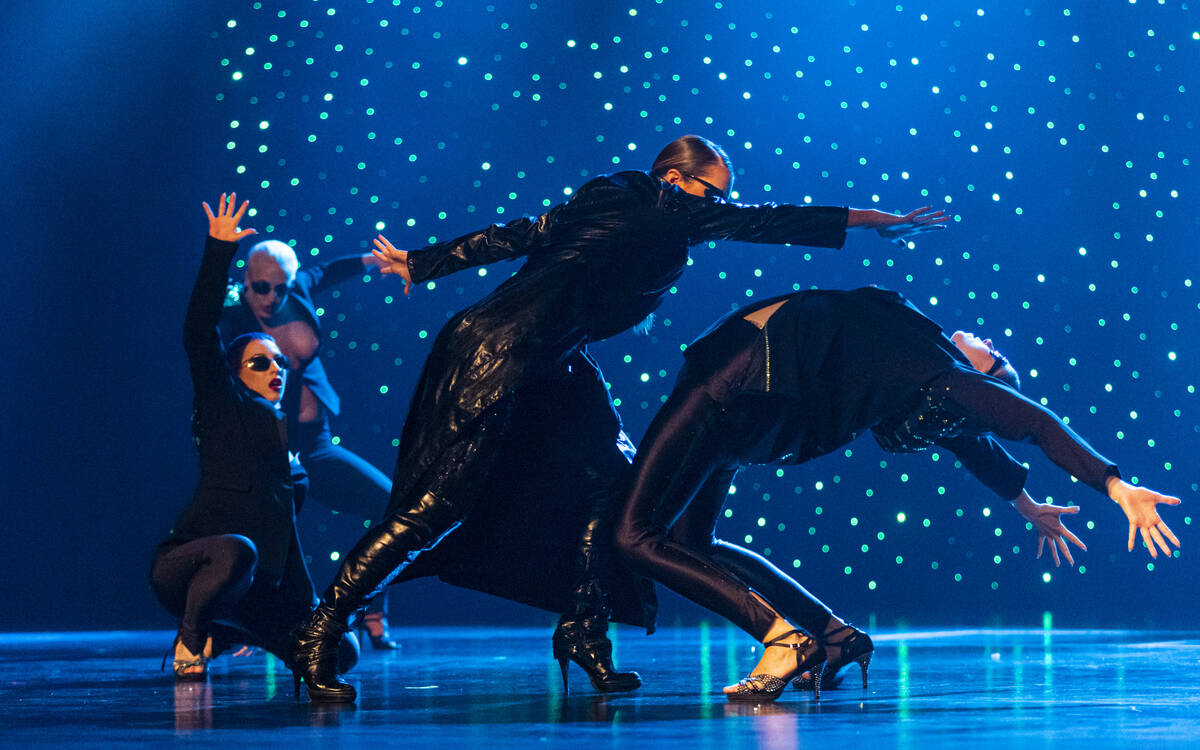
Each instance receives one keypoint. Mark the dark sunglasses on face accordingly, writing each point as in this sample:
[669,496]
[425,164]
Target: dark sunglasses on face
[710,190]
[263,288]
[262,363]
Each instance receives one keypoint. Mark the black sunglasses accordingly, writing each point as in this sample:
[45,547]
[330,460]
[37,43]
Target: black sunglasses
[263,288]
[710,190]
[262,363]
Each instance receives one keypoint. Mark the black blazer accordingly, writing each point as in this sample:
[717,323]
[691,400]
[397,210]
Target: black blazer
[237,319]
[247,480]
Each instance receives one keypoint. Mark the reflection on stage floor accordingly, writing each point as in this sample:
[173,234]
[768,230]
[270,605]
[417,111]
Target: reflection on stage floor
[496,687]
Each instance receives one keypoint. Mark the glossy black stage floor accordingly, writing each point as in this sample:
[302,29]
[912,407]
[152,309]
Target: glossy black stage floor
[462,688]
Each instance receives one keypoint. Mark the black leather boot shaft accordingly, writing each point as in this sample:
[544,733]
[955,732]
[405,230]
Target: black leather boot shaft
[379,556]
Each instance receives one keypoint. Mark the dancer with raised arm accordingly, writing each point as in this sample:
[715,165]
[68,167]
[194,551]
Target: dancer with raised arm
[233,554]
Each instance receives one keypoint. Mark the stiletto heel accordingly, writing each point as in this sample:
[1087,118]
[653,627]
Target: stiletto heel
[762,687]
[854,646]
[563,664]
[863,662]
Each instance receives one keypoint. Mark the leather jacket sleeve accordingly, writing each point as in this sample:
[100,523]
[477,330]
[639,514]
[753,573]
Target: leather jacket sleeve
[712,219]
[991,406]
[201,338]
[497,242]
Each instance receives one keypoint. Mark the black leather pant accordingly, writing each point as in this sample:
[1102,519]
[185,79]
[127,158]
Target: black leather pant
[682,474]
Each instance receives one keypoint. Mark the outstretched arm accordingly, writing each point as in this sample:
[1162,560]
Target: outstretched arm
[815,226]
[984,457]
[994,407]
[497,242]
[317,278]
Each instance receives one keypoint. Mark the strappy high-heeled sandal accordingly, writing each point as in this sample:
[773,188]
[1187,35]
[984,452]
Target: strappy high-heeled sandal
[762,687]
[181,667]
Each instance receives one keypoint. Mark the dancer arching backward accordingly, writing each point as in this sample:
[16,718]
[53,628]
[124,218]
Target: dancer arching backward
[233,554]
[277,298]
[596,266]
[799,376]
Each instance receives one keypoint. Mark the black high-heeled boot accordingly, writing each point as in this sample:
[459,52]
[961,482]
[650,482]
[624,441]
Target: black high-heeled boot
[314,659]
[582,632]
[584,640]
[379,556]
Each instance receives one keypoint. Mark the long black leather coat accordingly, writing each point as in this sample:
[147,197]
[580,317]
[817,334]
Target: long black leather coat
[595,266]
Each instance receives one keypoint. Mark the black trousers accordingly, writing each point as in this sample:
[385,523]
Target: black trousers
[337,477]
[212,579]
[682,474]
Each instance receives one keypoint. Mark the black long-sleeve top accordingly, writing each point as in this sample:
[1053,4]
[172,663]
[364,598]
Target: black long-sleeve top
[248,481]
[842,362]
[595,266]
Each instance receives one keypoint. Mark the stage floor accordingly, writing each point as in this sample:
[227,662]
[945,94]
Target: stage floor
[462,688]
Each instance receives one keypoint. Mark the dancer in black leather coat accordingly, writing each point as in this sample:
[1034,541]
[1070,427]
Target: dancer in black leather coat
[595,266]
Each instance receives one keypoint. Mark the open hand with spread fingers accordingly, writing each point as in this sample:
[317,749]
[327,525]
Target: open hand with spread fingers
[1139,506]
[923,219]
[1047,521]
[224,225]
[391,260]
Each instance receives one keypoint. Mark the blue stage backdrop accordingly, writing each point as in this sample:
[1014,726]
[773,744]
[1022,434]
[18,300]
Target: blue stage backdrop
[1061,139]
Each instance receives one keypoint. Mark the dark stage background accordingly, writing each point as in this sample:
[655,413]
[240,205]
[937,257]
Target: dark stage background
[1061,139]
